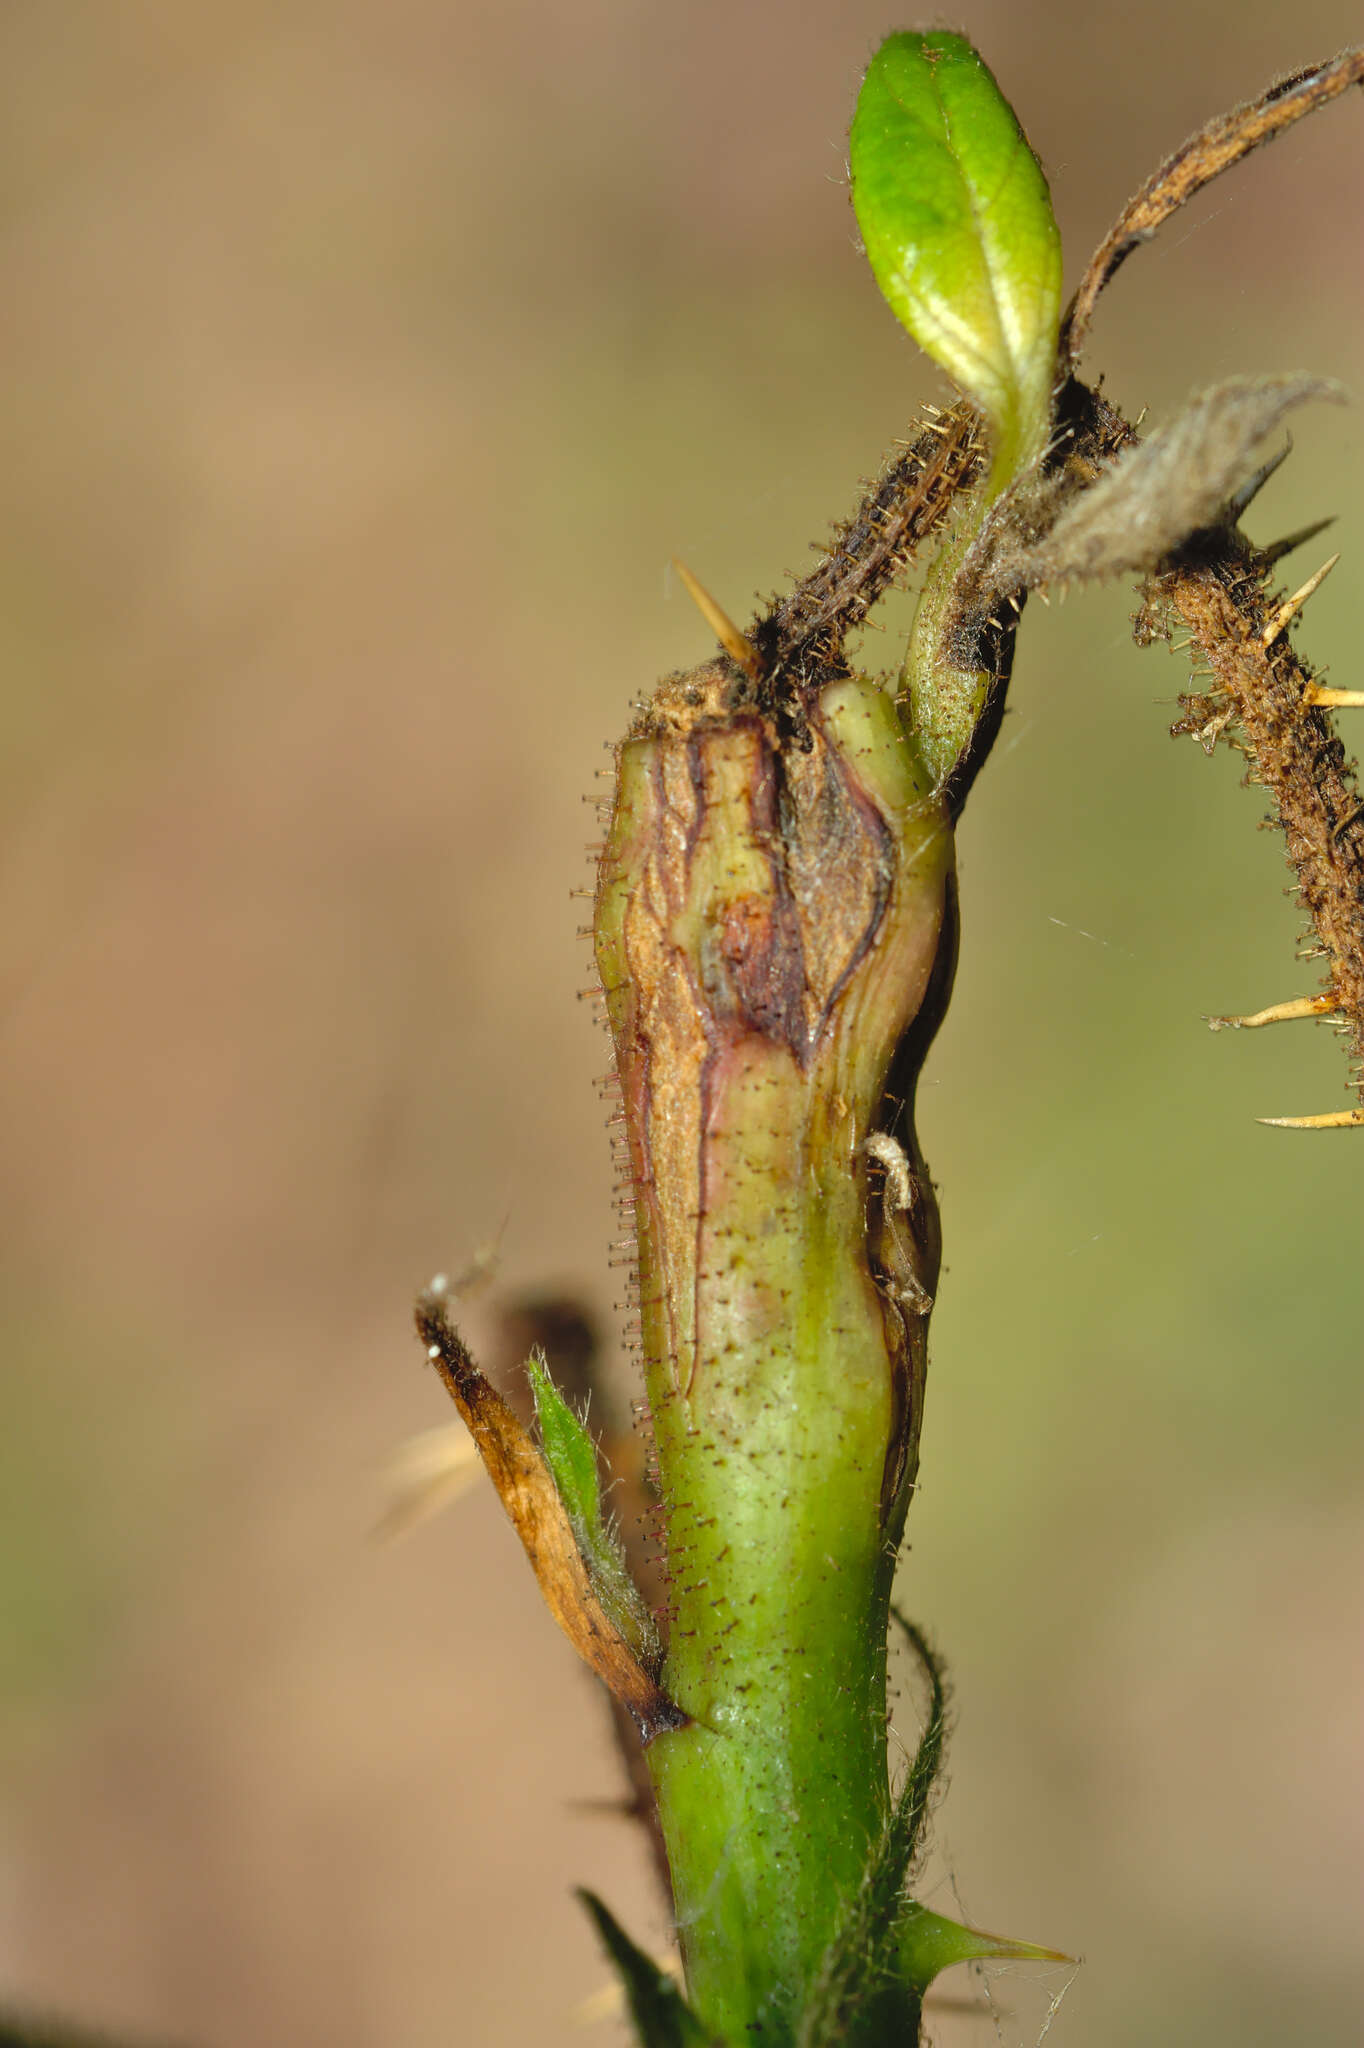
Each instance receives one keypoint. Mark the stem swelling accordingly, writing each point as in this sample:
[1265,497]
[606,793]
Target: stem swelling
[784,1361]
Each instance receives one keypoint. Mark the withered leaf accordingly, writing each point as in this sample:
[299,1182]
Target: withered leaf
[1170,485]
[527,1491]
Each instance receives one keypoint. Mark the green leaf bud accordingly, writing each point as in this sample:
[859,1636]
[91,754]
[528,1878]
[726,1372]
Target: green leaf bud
[959,230]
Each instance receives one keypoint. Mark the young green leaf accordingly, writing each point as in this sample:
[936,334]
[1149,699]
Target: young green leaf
[571,1457]
[957,220]
[569,1452]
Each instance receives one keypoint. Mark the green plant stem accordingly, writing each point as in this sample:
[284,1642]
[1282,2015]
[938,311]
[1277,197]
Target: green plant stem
[785,1382]
[944,702]
[771,1801]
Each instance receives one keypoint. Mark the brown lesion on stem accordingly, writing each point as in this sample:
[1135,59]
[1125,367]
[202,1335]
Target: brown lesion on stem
[526,1488]
[764,881]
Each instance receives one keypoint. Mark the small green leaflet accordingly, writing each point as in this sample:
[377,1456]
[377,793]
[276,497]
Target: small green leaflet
[572,1458]
[957,221]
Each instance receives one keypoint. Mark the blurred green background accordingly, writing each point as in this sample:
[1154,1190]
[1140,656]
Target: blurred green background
[364,366]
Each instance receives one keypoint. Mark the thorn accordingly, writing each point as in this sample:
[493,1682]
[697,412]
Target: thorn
[1330,1120]
[1294,604]
[1276,550]
[1278,1013]
[1253,485]
[736,644]
[1208,735]
[1338,700]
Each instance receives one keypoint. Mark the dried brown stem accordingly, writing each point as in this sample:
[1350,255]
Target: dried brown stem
[1220,595]
[1206,154]
[802,636]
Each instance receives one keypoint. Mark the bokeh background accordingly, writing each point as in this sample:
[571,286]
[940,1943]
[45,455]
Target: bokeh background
[363,367]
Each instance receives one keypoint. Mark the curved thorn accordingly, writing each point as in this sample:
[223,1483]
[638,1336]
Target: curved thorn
[1331,1120]
[736,644]
[1278,1013]
[1253,485]
[1338,700]
[1277,549]
[1291,606]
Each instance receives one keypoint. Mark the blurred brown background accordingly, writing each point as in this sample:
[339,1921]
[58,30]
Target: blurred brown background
[364,365]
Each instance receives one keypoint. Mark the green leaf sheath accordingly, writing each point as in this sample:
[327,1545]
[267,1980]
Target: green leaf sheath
[770,913]
[959,230]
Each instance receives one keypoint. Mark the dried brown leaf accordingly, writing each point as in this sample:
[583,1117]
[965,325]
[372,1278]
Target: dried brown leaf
[527,1490]
[1177,481]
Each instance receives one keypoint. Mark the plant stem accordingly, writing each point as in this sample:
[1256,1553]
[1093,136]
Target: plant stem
[771,913]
